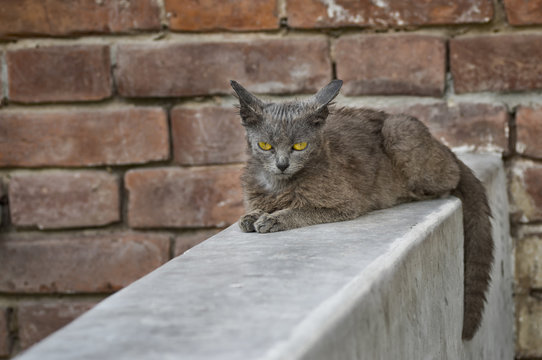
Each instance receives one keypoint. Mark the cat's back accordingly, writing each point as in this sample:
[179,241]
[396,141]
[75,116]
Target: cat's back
[354,128]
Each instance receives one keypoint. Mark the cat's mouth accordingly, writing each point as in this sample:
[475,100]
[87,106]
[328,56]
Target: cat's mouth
[282,175]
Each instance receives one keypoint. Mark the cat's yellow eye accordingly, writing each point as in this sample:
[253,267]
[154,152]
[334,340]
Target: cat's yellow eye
[300,146]
[264,146]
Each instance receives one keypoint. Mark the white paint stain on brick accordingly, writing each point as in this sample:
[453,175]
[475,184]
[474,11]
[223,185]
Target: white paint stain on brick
[396,15]
[301,71]
[339,13]
[380,3]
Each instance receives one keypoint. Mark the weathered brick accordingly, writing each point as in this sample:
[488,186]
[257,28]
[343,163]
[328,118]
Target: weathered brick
[61,18]
[383,13]
[529,257]
[207,135]
[299,64]
[83,137]
[38,319]
[418,66]
[4,333]
[63,199]
[1,80]
[523,12]
[59,73]
[496,62]
[175,197]
[201,15]
[525,187]
[185,241]
[3,198]
[529,131]
[78,263]
[469,126]
[528,326]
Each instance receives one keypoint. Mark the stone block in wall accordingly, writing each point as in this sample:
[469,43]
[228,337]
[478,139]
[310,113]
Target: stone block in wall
[3,200]
[384,13]
[180,197]
[189,239]
[529,326]
[522,12]
[463,126]
[83,137]
[203,15]
[263,65]
[78,262]
[496,62]
[37,319]
[59,73]
[418,66]
[528,255]
[529,131]
[62,18]
[4,333]
[525,187]
[209,134]
[63,199]
[1,80]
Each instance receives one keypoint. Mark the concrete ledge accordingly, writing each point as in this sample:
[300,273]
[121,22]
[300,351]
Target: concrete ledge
[388,285]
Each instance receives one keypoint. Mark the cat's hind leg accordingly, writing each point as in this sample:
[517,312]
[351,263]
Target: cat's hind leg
[429,167]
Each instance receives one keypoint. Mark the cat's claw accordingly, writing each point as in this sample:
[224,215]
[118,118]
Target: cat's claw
[267,223]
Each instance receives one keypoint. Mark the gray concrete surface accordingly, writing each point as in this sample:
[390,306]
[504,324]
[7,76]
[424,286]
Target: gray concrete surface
[385,286]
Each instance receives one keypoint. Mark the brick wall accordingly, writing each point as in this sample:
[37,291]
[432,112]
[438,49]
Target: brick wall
[120,147]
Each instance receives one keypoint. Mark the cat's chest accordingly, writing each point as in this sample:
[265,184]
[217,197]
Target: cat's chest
[314,191]
[277,193]
[265,183]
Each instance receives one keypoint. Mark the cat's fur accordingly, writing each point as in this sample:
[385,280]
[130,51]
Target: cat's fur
[357,160]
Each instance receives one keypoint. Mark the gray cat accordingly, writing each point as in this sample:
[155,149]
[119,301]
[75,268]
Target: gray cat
[310,163]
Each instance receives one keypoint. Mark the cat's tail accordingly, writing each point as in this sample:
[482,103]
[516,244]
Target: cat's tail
[478,248]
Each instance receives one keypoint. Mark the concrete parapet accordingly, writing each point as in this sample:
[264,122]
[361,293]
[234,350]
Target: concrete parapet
[388,285]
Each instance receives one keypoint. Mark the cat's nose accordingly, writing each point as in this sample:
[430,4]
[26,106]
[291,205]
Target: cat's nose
[282,166]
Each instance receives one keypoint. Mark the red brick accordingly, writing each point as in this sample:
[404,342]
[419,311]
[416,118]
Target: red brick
[207,135]
[529,131]
[63,199]
[384,13]
[4,333]
[2,200]
[202,15]
[38,319]
[418,66]
[59,73]
[525,190]
[84,263]
[472,126]
[185,241]
[61,18]
[496,63]
[2,87]
[175,197]
[299,64]
[83,137]
[523,12]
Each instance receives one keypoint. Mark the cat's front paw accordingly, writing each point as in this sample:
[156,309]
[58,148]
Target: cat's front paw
[246,222]
[268,223]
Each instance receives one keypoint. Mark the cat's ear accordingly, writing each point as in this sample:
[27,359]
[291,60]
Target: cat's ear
[321,100]
[250,106]
[327,94]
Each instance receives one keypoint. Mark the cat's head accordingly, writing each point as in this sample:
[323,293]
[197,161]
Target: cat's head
[283,136]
